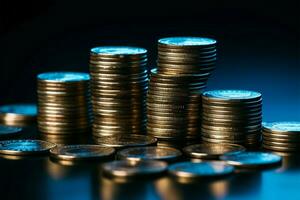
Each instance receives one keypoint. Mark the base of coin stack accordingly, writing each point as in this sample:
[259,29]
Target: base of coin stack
[64,107]
[119,80]
[281,136]
[232,116]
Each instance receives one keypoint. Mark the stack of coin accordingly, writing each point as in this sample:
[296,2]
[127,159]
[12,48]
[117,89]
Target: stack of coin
[64,106]
[174,106]
[119,80]
[186,55]
[18,114]
[281,136]
[174,99]
[232,116]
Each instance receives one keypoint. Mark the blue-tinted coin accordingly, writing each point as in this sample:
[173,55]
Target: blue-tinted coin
[64,77]
[282,127]
[252,159]
[25,147]
[200,169]
[9,131]
[118,50]
[187,41]
[232,94]
[19,109]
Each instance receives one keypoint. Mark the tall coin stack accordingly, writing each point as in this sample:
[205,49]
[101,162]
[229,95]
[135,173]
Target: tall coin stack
[174,96]
[119,80]
[64,106]
[281,136]
[232,116]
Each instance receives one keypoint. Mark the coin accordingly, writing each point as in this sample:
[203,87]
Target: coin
[25,147]
[9,131]
[126,140]
[145,168]
[212,151]
[208,169]
[149,153]
[231,96]
[252,159]
[282,127]
[190,42]
[81,152]
[15,114]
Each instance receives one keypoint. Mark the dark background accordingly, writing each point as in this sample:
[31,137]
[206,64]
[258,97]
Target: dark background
[259,49]
[258,42]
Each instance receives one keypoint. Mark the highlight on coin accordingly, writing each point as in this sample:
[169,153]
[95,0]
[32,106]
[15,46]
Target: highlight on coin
[25,147]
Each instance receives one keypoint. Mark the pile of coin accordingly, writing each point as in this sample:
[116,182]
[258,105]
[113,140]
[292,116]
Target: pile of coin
[186,55]
[18,114]
[174,98]
[64,106]
[174,106]
[281,136]
[232,116]
[119,82]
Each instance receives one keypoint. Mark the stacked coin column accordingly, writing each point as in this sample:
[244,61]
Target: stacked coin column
[64,106]
[193,59]
[119,85]
[232,116]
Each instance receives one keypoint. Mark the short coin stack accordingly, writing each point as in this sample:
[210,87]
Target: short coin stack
[281,136]
[119,84]
[64,106]
[232,116]
[174,98]
[186,55]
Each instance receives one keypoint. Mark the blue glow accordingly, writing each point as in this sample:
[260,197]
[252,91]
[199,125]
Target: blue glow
[64,76]
[187,41]
[232,94]
[118,50]
[22,109]
[283,126]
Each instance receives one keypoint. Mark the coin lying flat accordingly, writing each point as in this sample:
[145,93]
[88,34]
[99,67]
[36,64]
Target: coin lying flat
[200,169]
[125,168]
[9,131]
[25,147]
[129,140]
[167,154]
[231,95]
[212,151]
[81,152]
[187,41]
[252,159]
[282,127]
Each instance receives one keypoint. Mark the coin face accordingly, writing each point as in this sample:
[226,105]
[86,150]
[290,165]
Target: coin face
[118,50]
[200,169]
[81,152]
[149,153]
[252,159]
[292,126]
[187,41]
[7,131]
[143,168]
[64,76]
[232,94]
[212,151]
[25,147]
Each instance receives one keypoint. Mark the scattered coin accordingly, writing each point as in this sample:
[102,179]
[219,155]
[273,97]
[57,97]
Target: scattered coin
[212,151]
[167,154]
[252,159]
[207,169]
[81,152]
[9,131]
[25,147]
[145,168]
